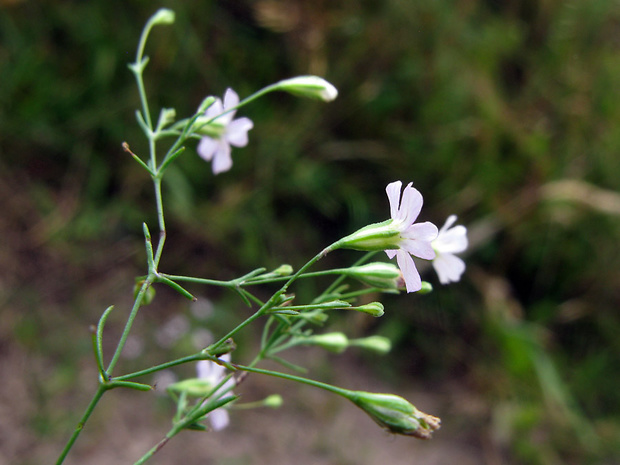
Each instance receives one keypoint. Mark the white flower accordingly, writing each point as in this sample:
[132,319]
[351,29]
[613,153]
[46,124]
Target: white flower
[223,131]
[414,238]
[213,374]
[450,240]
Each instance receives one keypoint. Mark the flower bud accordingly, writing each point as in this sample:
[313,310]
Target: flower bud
[166,117]
[373,308]
[163,16]
[309,86]
[225,348]
[395,414]
[206,103]
[273,401]
[283,270]
[427,288]
[378,274]
[316,317]
[334,342]
[378,344]
[195,387]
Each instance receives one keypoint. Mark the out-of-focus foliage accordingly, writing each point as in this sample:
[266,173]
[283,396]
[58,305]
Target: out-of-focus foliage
[506,113]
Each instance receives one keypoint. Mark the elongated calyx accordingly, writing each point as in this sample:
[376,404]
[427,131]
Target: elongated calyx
[396,414]
[377,274]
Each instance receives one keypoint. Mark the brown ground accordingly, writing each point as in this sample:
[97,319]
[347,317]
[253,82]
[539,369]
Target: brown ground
[311,428]
[49,296]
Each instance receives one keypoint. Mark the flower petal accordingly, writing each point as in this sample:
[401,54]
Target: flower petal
[207,148]
[420,249]
[426,231]
[393,193]
[222,161]
[452,240]
[215,109]
[231,99]
[449,268]
[449,222]
[417,240]
[219,419]
[237,133]
[204,369]
[413,283]
[410,205]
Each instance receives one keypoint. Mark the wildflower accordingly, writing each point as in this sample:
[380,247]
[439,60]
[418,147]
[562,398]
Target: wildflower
[398,236]
[212,373]
[223,132]
[449,241]
[415,239]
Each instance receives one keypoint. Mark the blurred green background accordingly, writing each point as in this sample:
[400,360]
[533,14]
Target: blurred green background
[505,113]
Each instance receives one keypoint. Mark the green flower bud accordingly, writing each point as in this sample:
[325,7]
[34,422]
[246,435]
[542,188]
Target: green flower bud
[373,308]
[283,270]
[334,342]
[309,86]
[166,117]
[225,348]
[316,317]
[378,344]
[427,288]
[195,387]
[163,16]
[273,401]
[206,103]
[395,414]
[379,274]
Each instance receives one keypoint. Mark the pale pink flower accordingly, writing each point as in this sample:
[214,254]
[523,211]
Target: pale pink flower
[213,374]
[414,238]
[223,131]
[451,240]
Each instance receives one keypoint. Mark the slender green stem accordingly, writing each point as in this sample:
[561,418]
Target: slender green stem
[195,414]
[269,304]
[132,317]
[299,379]
[190,279]
[144,102]
[240,326]
[367,290]
[277,338]
[163,366]
[173,432]
[138,68]
[232,283]
[341,278]
[313,274]
[81,423]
